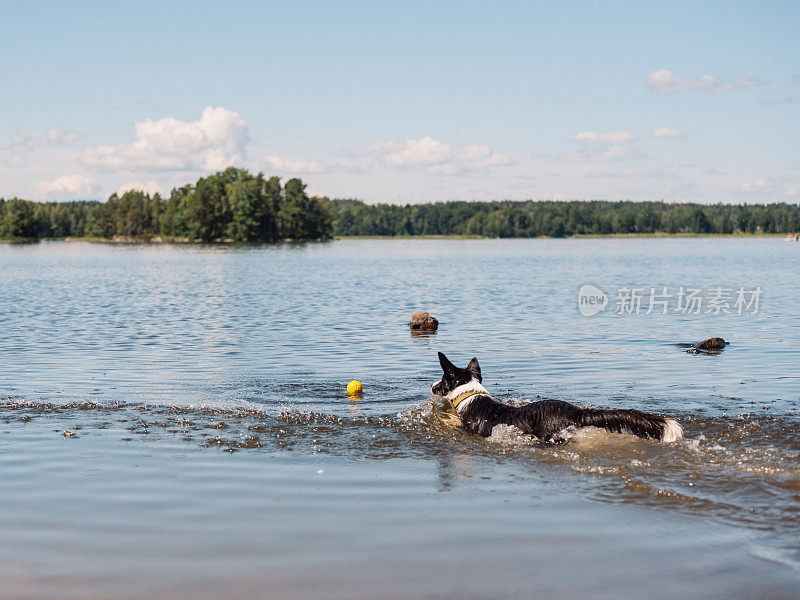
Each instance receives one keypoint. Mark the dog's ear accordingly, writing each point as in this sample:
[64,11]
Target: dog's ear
[474,368]
[447,366]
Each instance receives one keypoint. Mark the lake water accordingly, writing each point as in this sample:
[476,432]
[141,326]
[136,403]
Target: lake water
[175,423]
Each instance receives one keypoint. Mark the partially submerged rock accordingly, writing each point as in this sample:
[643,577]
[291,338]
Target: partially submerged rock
[714,343]
[422,321]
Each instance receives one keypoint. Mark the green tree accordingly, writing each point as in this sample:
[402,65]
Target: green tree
[294,212]
[19,222]
[248,210]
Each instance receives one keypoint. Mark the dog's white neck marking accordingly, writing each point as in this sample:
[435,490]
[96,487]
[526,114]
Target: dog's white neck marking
[464,394]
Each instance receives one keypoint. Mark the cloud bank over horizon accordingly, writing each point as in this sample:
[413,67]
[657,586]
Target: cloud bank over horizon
[169,152]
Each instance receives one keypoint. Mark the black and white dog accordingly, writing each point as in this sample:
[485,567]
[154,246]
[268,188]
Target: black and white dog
[544,419]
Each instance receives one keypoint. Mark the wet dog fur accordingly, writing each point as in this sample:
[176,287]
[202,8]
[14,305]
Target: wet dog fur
[545,419]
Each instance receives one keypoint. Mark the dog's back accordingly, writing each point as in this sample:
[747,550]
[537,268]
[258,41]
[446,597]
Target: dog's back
[546,418]
[542,419]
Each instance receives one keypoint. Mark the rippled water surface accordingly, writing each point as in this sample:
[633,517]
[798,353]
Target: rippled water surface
[139,383]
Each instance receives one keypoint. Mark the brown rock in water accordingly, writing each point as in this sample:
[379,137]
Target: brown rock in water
[715,343]
[422,321]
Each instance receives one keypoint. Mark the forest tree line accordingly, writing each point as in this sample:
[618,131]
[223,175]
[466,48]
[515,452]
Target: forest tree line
[558,219]
[235,205]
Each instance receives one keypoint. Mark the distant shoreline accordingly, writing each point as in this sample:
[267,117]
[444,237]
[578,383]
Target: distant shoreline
[566,237]
[230,242]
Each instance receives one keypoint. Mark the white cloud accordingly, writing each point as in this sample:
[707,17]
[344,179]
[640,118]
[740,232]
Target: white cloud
[424,152]
[214,142]
[150,188]
[605,147]
[666,133]
[285,165]
[476,157]
[382,148]
[666,81]
[759,185]
[483,156]
[25,139]
[617,137]
[438,157]
[54,136]
[24,142]
[67,185]
[768,186]
[619,153]
[606,153]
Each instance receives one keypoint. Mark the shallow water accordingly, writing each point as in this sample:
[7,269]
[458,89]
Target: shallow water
[167,410]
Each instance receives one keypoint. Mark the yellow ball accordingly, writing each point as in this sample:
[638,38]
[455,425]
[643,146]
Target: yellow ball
[354,388]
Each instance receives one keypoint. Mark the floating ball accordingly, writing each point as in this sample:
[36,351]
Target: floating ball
[354,388]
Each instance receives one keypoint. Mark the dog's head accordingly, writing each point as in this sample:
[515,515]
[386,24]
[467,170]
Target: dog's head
[454,377]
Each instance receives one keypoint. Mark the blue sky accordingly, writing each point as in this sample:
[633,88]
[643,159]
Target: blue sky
[405,102]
